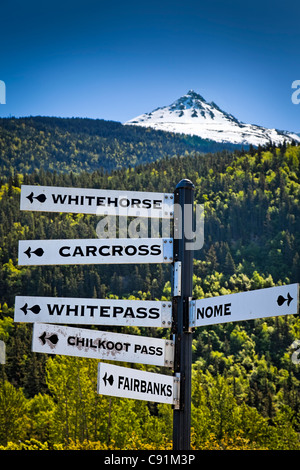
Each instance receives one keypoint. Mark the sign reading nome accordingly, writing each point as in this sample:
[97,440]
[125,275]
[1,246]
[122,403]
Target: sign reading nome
[270,302]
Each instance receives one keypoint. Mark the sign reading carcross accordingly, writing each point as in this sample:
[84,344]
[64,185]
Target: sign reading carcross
[96,251]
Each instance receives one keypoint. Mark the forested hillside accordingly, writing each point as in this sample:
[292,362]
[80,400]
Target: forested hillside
[246,391]
[74,144]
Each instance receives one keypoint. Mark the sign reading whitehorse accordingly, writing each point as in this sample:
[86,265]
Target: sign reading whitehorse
[270,302]
[132,383]
[69,341]
[147,313]
[96,251]
[96,201]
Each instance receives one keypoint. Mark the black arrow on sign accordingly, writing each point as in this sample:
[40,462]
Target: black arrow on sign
[35,309]
[281,300]
[52,338]
[41,197]
[109,379]
[38,252]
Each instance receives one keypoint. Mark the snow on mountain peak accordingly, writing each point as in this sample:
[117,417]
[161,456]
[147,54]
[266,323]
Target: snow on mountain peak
[192,114]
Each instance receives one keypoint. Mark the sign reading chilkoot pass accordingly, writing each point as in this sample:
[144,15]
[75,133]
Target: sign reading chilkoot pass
[140,385]
[96,201]
[96,251]
[147,313]
[69,341]
[270,302]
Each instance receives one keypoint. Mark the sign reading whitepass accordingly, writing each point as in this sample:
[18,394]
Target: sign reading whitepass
[95,251]
[81,311]
[96,201]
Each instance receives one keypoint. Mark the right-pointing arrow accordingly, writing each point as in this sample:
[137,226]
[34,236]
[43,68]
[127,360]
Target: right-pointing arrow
[281,299]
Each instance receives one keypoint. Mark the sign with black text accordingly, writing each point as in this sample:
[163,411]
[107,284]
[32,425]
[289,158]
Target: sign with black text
[96,201]
[269,302]
[115,312]
[70,341]
[136,384]
[95,251]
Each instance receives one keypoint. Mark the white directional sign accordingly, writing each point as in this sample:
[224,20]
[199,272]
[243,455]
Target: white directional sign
[96,251]
[96,201]
[140,385]
[69,341]
[270,302]
[80,311]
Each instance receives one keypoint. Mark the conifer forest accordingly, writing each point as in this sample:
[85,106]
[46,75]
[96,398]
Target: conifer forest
[245,375]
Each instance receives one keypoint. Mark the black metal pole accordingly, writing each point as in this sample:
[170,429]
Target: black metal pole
[182,293]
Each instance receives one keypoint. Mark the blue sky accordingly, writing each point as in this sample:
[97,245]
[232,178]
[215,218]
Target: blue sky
[115,60]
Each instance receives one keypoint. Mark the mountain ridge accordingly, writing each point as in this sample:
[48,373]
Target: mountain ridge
[191,114]
[30,144]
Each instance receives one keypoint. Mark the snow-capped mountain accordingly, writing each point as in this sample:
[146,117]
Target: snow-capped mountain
[192,115]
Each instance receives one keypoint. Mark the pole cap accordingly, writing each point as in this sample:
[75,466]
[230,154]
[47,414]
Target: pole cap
[185,184]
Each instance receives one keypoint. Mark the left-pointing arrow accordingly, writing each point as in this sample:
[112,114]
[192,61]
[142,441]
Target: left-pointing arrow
[35,309]
[52,338]
[109,379]
[38,252]
[41,197]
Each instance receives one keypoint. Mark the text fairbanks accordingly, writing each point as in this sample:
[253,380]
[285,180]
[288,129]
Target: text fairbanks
[144,386]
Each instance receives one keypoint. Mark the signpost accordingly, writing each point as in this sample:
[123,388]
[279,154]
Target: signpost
[96,201]
[140,385]
[115,312]
[182,293]
[69,341]
[261,303]
[183,314]
[96,251]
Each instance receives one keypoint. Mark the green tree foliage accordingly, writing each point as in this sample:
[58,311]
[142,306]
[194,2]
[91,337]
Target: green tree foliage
[77,145]
[13,416]
[245,386]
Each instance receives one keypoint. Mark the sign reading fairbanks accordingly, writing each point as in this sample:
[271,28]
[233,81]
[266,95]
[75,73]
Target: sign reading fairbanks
[96,201]
[69,341]
[147,313]
[96,251]
[141,385]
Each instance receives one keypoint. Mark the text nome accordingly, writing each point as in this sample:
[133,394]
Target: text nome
[214,311]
